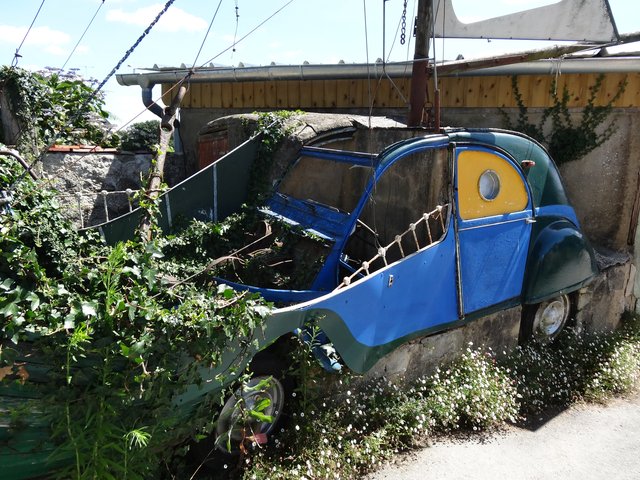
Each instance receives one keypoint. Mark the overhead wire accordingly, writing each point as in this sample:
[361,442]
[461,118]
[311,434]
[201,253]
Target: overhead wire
[124,58]
[415,6]
[128,53]
[366,43]
[206,35]
[135,45]
[370,130]
[235,33]
[233,45]
[81,109]
[82,36]
[385,60]
[17,55]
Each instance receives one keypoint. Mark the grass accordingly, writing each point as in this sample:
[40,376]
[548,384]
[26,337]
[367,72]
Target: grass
[356,431]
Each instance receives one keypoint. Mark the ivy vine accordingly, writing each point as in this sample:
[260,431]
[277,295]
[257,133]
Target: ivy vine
[567,140]
[274,127]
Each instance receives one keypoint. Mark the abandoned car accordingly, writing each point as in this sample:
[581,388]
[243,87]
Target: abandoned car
[434,231]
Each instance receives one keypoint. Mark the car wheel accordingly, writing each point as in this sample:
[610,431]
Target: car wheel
[237,429]
[250,414]
[544,321]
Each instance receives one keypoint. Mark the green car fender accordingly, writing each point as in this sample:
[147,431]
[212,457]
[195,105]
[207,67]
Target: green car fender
[560,260]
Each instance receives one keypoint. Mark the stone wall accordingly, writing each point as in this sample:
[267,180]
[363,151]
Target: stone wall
[81,179]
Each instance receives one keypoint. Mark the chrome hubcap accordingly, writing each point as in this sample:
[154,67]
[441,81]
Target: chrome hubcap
[551,317]
[236,423]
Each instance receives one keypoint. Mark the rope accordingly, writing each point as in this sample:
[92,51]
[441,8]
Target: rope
[134,46]
[82,36]
[206,35]
[17,55]
[366,266]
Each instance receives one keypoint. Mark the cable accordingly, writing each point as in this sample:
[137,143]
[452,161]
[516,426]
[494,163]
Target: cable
[235,33]
[366,45]
[81,109]
[249,33]
[82,36]
[17,55]
[207,34]
[134,46]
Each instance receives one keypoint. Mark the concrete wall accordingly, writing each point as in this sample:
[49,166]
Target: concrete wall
[193,120]
[602,186]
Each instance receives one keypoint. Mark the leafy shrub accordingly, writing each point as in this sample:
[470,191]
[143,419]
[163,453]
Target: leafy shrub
[353,433]
[142,136]
[119,343]
[52,107]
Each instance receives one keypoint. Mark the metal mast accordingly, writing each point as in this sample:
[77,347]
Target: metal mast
[420,62]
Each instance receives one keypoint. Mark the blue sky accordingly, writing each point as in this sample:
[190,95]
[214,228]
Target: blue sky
[318,32]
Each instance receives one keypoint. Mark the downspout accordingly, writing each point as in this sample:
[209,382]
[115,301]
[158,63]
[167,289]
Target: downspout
[147,100]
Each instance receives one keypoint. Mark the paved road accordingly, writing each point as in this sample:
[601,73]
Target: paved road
[586,442]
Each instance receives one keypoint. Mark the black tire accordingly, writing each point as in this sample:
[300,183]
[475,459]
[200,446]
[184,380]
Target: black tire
[544,321]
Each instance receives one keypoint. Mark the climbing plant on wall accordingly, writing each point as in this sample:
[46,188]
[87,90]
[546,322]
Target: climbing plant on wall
[567,139]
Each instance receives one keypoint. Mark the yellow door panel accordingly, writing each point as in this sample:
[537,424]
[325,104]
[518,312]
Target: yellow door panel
[488,185]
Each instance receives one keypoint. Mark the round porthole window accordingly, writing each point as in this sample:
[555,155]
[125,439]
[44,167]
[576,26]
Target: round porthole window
[489,185]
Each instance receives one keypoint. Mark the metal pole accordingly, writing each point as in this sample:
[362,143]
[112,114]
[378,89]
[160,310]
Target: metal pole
[420,63]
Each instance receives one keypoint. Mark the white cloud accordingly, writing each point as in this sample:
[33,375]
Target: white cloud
[174,20]
[51,41]
[56,50]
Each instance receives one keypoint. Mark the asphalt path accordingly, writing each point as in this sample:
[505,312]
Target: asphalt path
[585,442]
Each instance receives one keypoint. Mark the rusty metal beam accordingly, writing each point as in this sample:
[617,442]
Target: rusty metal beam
[420,63]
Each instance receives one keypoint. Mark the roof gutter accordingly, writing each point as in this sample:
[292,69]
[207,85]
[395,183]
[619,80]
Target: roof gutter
[271,72]
[394,70]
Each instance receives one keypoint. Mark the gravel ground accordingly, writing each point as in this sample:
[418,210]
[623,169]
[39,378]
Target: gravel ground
[585,442]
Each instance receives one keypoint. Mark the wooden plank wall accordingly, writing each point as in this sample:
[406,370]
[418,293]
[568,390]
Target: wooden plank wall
[485,91]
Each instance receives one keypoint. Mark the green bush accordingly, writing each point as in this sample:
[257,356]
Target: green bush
[142,136]
[55,107]
[118,341]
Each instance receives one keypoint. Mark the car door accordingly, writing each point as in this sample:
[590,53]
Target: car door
[494,217]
